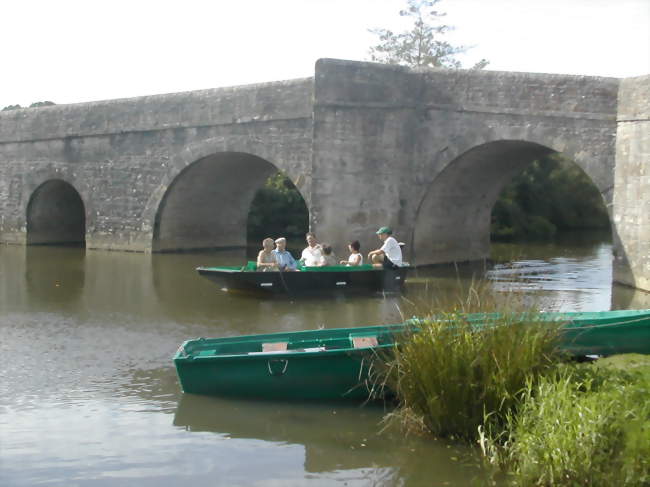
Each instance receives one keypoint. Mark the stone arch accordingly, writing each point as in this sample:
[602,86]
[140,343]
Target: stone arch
[206,205]
[55,215]
[453,218]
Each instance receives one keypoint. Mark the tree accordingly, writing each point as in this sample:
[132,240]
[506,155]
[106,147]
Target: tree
[422,45]
[550,196]
[277,209]
[36,104]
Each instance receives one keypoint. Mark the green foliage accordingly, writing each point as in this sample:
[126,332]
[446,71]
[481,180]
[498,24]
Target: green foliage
[583,425]
[37,104]
[423,44]
[33,105]
[550,196]
[278,209]
[452,375]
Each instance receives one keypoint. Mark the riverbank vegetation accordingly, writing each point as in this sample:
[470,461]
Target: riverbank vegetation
[278,209]
[583,424]
[552,195]
[539,417]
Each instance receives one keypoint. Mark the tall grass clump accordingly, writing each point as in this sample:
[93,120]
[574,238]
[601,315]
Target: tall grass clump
[585,424]
[456,372]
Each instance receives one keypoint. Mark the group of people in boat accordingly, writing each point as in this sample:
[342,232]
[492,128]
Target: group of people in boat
[388,256]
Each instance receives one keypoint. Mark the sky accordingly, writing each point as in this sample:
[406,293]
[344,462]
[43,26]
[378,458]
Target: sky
[70,51]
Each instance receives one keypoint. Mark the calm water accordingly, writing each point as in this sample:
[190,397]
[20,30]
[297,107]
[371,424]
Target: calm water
[88,393]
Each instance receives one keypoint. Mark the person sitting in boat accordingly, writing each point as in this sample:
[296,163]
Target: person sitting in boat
[283,257]
[313,253]
[266,258]
[356,258]
[389,256]
[328,257]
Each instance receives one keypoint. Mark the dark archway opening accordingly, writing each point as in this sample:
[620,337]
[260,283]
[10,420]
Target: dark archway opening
[208,205]
[56,215]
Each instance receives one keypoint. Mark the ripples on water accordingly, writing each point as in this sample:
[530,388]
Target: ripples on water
[88,393]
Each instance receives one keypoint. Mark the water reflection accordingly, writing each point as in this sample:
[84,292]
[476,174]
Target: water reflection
[87,366]
[55,276]
[335,437]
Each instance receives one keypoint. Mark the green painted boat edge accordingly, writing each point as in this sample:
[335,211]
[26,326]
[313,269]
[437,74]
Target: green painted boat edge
[331,268]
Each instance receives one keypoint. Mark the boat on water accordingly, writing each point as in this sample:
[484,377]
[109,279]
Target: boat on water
[338,363]
[307,280]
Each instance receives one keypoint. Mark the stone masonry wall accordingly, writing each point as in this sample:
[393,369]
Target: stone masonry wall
[383,135]
[122,155]
[632,186]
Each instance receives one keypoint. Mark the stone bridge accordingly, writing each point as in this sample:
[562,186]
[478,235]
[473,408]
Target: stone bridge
[424,151]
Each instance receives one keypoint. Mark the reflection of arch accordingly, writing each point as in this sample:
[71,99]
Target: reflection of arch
[453,219]
[207,204]
[54,276]
[56,215]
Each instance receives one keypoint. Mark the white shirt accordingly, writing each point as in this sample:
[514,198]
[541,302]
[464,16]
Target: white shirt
[352,260]
[312,256]
[392,249]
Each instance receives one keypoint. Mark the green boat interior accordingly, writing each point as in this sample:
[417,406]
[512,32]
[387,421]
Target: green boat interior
[274,345]
[251,266]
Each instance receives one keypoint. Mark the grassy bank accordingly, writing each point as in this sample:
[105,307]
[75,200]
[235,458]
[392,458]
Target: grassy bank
[538,417]
[584,424]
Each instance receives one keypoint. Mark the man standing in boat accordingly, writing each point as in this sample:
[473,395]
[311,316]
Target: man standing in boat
[283,257]
[389,256]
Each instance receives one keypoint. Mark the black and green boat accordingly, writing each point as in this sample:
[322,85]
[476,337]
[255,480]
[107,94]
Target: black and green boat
[337,363]
[335,279]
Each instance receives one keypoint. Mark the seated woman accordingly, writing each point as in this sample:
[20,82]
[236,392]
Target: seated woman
[328,257]
[356,258]
[266,258]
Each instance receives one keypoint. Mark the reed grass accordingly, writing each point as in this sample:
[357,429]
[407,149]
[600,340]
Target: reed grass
[584,424]
[452,374]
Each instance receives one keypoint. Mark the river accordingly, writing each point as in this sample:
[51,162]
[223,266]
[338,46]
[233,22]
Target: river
[88,392]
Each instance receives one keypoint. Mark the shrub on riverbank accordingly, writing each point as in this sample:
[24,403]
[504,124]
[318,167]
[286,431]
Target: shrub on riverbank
[585,424]
[452,376]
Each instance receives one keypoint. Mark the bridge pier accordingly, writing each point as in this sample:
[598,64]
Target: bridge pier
[632,184]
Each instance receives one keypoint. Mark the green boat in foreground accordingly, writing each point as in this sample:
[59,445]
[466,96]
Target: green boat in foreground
[336,363]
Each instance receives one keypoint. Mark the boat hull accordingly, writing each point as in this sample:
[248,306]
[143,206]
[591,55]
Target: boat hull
[307,282]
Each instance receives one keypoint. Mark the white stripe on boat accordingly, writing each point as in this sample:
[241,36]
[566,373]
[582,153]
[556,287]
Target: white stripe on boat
[341,283]
[266,284]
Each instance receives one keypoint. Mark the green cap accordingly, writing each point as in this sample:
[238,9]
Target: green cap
[385,230]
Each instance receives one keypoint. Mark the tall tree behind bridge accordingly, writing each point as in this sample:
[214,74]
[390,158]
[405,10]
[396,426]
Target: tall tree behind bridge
[423,44]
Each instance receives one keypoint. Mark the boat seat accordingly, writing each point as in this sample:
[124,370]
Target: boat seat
[364,341]
[274,347]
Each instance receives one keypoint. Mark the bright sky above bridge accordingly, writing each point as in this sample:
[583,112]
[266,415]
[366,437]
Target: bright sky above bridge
[71,51]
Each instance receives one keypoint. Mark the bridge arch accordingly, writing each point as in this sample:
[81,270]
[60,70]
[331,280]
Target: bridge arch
[452,221]
[55,215]
[207,204]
